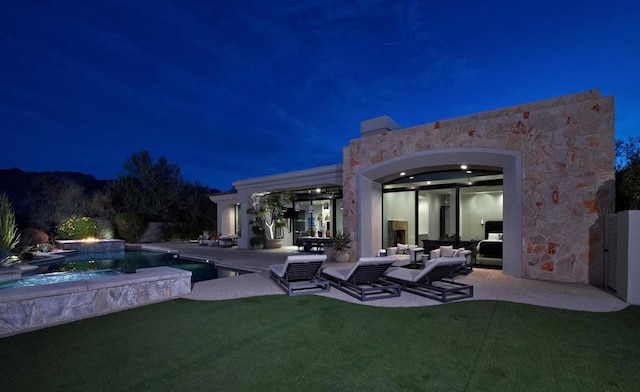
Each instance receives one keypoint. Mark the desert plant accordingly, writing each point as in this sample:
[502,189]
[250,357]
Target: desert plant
[76,228]
[130,226]
[341,242]
[9,237]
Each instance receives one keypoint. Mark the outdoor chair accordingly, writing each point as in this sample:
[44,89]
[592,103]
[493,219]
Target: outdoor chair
[449,251]
[363,280]
[434,281]
[299,275]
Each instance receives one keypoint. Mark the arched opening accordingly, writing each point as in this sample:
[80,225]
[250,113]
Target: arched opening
[373,229]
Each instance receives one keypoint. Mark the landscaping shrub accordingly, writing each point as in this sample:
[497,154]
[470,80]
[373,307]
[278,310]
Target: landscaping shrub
[35,236]
[76,228]
[180,231]
[105,228]
[130,226]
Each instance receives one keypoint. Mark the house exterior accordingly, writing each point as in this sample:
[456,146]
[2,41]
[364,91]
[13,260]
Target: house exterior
[542,171]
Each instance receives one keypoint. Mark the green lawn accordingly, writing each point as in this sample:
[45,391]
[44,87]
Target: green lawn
[280,343]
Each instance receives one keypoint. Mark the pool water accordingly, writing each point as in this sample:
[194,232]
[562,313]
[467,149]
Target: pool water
[56,277]
[66,271]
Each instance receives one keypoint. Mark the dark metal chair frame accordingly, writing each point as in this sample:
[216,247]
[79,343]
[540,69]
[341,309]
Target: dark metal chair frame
[365,283]
[301,277]
[438,285]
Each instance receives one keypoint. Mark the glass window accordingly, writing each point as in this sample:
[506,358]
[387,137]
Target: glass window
[479,204]
[437,214]
[398,218]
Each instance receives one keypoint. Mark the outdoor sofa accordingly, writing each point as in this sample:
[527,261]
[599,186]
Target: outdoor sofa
[405,254]
[449,251]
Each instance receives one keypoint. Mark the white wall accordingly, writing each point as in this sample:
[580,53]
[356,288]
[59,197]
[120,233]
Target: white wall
[628,263]
[424,217]
[477,207]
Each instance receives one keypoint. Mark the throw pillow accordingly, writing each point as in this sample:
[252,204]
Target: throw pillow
[494,236]
[446,251]
[403,249]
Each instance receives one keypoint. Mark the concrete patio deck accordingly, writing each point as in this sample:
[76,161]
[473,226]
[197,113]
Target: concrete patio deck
[488,284]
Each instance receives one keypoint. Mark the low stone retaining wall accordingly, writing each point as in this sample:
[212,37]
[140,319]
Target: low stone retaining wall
[28,308]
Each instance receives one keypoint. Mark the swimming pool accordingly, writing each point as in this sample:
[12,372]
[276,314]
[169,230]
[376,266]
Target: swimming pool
[126,262]
[56,277]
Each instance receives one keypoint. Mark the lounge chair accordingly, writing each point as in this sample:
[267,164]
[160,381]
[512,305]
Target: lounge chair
[434,281]
[363,280]
[299,275]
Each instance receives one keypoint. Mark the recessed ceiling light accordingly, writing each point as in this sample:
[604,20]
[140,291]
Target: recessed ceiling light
[402,173]
[468,171]
[428,182]
[318,190]
[411,178]
[463,167]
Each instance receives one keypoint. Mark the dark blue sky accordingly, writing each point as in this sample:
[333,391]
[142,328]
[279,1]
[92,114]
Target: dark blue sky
[229,90]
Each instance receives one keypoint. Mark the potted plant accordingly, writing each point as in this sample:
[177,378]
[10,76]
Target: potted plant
[256,242]
[269,209]
[339,246]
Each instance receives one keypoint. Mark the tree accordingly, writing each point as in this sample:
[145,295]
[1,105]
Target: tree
[148,188]
[155,191]
[628,173]
[269,210]
[53,201]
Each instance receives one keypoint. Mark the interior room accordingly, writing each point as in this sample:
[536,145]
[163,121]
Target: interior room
[461,207]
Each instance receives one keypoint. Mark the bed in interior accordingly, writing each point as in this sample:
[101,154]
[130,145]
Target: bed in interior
[491,246]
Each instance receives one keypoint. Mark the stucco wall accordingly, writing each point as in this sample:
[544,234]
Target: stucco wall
[567,146]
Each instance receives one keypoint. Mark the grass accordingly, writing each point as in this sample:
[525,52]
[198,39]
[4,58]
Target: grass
[277,343]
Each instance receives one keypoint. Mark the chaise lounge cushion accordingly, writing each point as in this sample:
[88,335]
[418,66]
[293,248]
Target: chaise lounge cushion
[414,275]
[299,275]
[434,281]
[281,269]
[363,280]
[346,273]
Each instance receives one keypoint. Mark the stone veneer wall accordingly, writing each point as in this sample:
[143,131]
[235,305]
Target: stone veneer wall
[27,308]
[97,246]
[568,153]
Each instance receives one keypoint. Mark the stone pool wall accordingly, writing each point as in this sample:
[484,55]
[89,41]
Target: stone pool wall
[28,308]
[97,246]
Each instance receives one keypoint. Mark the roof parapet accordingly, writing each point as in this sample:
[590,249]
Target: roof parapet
[378,125]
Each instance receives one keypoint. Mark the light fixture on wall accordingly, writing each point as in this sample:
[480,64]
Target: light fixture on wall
[481,221]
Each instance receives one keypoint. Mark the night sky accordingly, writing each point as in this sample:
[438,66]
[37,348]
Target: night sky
[229,90]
